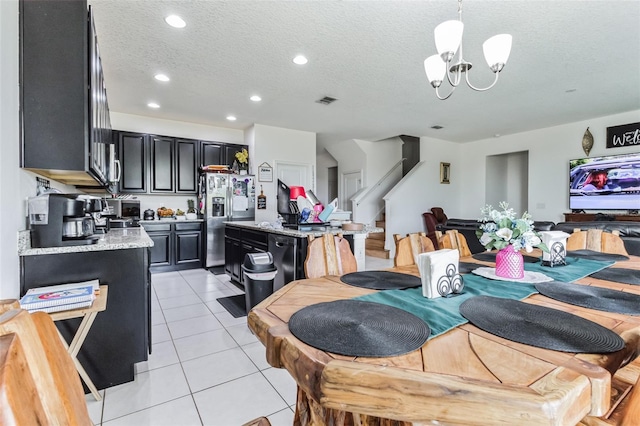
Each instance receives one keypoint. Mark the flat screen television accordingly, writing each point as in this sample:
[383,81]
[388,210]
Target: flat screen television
[605,183]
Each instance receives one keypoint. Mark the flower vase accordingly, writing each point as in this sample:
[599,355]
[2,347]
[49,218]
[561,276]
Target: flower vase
[509,263]
[243,171]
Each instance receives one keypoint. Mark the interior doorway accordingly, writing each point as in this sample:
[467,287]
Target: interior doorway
[351,183]
[332,183]
[508,180]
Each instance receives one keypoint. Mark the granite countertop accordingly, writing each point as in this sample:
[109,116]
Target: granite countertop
[303,234]
[115,239]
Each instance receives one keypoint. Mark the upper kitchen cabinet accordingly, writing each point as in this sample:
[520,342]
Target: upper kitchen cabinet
[132,152]
[229,153]
[173,165]
[66,131]
[211,153]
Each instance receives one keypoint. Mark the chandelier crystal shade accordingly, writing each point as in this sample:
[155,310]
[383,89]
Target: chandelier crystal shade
[450,62]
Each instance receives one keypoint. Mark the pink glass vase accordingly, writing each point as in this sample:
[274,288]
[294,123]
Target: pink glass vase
[509,263]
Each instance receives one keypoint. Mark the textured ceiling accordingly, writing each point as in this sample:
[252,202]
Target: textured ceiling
[369,55]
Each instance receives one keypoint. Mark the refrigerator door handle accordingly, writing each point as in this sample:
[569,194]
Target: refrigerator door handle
[230,204]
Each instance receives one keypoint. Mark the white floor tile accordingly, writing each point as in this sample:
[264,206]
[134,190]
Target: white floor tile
[191,326]
[174,302]
[212,370]
[215,307]
[283,382]
[242,334]
[238,401]
[160,333]
[173,290]
[375,264]
[94,407]
[148,389]
[162,355]
[184,312]
[181,411]
[204,344]
[228,320]
[157,317]
[282,418]
[203,285]
[211,296]
[257,353]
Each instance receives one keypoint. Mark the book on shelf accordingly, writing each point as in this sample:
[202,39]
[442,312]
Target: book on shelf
[58,295]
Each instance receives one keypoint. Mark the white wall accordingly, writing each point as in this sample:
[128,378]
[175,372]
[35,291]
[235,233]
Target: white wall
[323,162]
[275,144]
[11,209]
[550,150]
[351,158]
[142,124]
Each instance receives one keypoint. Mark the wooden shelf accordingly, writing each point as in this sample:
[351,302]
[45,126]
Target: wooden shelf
[589,217]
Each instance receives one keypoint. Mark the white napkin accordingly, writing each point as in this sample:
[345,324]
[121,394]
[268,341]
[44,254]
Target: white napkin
[434,267]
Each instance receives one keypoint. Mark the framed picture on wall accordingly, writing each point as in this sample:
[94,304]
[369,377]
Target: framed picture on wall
[445,172]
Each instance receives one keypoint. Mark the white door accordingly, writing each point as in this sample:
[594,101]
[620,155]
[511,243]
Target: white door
[292,174]
[351,183]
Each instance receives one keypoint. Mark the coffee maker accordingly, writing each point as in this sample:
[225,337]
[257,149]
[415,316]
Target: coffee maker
[60,220]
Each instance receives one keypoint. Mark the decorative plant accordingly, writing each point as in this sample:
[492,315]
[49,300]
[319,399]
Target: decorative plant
[191,209]
[243,158]
[501,228]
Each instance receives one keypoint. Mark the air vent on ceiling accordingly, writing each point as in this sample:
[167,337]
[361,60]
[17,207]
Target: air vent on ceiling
[326,100]
[436,127]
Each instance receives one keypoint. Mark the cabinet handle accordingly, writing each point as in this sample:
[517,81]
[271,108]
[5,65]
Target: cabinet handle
[278,244]
[117,163]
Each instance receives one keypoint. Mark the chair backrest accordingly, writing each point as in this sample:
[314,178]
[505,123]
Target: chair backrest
[408,248]
[596,240]
[39,378]
[452,239]
[329,255]
[438,212]
[431,223]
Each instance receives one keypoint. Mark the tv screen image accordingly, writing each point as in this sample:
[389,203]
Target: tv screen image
[605,183]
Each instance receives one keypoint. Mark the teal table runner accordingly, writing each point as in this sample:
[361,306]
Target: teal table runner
[442,314]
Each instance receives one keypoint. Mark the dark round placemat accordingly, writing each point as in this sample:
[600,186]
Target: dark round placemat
[601,299]
[618,275]
[466,267]
[491,257]
[358,328]
[539,326]
[381,280]
[596,255]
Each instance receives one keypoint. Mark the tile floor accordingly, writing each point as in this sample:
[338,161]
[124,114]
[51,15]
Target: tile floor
[206,367]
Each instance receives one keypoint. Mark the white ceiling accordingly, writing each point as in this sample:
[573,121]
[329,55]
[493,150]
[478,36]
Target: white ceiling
[369,55]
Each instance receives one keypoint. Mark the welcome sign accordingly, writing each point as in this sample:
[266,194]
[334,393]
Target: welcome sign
[625,135]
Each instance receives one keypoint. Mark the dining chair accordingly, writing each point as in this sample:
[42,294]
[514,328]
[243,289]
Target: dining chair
[438,212]
[38,380]
[329,255]
[452,239]
[596,240]
[260,421]
[431,224]
[408,248]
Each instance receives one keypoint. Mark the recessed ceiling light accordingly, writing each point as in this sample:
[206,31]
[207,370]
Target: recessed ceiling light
[175,21]
[255,98]
[153,105]
[300,60]
[161,77]
[231,118]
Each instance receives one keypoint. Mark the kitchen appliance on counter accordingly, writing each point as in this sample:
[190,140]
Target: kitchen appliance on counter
[99,210]
[123,213]
[60,220]
[149,214]
[227,198]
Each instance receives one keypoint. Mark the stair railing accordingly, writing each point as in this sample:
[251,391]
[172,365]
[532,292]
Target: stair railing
[374,189]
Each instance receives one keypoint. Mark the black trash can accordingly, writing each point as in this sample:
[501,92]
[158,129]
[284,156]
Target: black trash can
[259,273]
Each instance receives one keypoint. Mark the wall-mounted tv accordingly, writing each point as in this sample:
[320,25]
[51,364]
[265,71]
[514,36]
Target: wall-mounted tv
[605,183]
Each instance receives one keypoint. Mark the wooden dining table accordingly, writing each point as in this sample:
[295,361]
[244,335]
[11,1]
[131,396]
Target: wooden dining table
[465,376]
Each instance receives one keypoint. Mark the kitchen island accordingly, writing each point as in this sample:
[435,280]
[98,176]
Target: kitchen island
[121,335]
[288,247]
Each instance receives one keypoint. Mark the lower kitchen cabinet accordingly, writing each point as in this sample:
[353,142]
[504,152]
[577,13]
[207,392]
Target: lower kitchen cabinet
[121,335]
[237,243]
[177,245]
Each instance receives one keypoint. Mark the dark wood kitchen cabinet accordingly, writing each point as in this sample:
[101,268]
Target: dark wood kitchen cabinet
[229,153]
[210,153]
[173,164]
[177,245]
[132,151]
[66,130]
[237,243]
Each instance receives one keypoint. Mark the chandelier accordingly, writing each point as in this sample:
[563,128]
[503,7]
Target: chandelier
[448,37]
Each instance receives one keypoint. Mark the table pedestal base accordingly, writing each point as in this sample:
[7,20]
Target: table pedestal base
[309,412]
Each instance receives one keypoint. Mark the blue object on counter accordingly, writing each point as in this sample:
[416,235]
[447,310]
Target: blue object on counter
[324,215]
[304,215]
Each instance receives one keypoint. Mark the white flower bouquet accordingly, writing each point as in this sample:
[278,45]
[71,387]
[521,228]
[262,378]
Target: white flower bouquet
[501,228]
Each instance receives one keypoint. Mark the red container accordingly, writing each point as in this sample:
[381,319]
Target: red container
[296,191]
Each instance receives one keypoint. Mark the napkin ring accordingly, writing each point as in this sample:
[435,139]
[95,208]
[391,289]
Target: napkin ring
[450,283]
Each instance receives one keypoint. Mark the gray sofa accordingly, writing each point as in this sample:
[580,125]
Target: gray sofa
[629,231]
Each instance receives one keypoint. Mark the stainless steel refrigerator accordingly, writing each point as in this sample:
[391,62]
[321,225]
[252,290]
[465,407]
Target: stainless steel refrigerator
[227,198]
